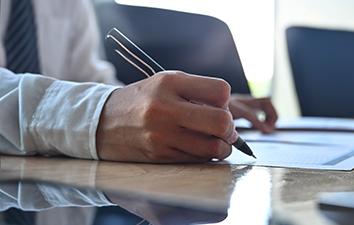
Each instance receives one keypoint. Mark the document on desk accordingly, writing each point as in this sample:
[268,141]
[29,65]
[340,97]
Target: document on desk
[307,123]
[306,149]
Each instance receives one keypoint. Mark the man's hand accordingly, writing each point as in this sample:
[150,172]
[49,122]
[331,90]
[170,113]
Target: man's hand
[248,107]
[170,117]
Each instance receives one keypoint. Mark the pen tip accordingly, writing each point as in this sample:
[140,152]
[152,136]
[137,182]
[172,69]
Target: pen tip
[254,156]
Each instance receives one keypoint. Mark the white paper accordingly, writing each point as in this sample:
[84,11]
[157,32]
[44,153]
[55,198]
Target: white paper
[301,138]
[306,123]
[317,123]
[325,149]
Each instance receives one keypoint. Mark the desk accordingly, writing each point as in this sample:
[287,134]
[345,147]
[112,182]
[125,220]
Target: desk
[287,192]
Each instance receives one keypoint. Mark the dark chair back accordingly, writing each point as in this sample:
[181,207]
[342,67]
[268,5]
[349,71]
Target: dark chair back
[322,63]
[193,43]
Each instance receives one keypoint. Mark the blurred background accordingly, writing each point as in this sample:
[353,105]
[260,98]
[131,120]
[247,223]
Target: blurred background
[258,28]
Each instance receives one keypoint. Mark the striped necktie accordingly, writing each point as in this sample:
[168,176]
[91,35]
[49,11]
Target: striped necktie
[21,38]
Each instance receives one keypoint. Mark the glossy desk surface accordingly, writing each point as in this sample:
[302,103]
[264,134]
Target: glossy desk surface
[241,191]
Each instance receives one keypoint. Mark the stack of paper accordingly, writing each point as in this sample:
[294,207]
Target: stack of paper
[311,143]
[307,123]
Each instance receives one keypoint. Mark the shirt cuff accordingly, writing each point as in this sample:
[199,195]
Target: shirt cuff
[67,117]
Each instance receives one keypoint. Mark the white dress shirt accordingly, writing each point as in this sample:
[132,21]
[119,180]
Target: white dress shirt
[67,40]
[42,115]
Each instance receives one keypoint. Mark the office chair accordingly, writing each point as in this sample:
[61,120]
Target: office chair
[322,63]
[189,42]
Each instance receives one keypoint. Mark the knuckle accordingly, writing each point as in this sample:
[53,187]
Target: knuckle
[225,86]
[220,149]
[223,120]
[158,112]
[215,147]
[224,90]
[169,78]
[153,140]
[152,110]
[178,73]
[164,79]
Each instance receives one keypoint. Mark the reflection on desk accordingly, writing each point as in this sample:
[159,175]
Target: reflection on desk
[160,194]
[187,193]
[28,202]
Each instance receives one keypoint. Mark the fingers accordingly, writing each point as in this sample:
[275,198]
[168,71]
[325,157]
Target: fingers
[201,103]
[248,114]
[142,122]
[183,145]
[247,107]
[206,119]
[270,112]
[200,145]
[206,90]
[265,105]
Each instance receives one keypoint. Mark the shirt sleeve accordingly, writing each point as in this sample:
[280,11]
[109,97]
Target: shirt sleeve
[41,115]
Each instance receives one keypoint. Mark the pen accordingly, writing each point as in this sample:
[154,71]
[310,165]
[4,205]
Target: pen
[241,145]
[129,51]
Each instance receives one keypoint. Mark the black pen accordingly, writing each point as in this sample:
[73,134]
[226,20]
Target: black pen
[148,66]
[241,145]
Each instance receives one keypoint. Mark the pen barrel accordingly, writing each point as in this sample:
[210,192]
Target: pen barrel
[132,52]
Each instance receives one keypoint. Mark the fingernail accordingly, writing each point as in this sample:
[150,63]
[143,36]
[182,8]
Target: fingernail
[233,137]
